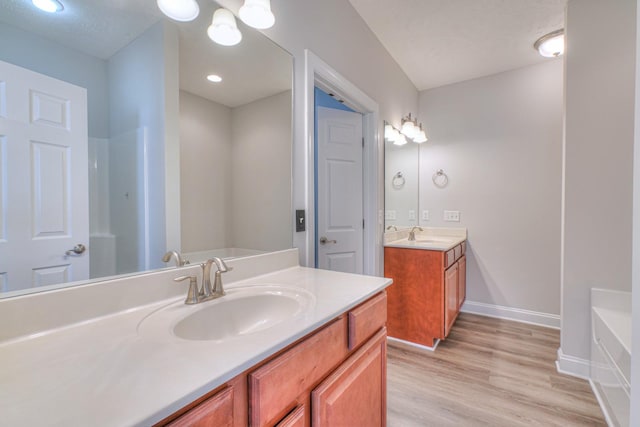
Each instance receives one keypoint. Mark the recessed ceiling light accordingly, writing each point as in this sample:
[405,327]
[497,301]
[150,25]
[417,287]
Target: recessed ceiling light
[50,6]
[179,10]
[214,78]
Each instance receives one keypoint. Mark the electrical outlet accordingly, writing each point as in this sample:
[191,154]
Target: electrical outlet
[412,215]
[390,215]
[425,215]
[452,216]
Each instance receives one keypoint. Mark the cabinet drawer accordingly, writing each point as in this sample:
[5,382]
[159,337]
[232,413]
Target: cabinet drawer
[215,411]
[457,251]
[449,258]
[274,387]
[366,319]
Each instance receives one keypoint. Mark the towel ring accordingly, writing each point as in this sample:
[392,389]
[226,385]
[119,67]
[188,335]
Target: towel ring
[440,179]
[398,181]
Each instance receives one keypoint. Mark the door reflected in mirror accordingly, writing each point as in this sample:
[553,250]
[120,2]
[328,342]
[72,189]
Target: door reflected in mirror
[401,183]
[112,137]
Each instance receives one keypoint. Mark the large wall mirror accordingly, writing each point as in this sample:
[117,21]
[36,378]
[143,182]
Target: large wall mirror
[115,147]
[401,182]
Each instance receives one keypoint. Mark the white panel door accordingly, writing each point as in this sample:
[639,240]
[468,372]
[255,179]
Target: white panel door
[340,218]
[44,209]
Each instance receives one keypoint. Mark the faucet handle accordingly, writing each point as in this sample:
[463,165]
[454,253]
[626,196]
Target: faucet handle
[193,294]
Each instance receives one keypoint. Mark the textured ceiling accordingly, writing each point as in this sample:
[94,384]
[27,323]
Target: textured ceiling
[438,42]
[254,69]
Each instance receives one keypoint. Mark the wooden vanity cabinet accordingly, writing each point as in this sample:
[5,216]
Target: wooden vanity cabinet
[334,376]
[428,290]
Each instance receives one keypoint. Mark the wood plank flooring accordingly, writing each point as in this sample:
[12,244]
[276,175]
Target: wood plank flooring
[488,372]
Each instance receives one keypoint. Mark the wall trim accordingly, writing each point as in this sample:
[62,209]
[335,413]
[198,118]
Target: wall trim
[574,366]
[603,406]
[511,313]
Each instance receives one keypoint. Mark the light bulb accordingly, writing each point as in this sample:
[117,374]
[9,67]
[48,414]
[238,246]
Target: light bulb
[409,128]
[223,29]
[179,10]
[420,136]
[214,78]
[400,139]
[257,14]
[550,45]
[50,6]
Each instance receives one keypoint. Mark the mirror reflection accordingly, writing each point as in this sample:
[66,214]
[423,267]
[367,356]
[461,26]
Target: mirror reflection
[401,182]
[115,147]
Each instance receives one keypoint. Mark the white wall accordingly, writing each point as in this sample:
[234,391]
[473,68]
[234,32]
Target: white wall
[139,98]
[261,153]
[600,79]
[334,31]
[30,51]
[499,140]
[205,169]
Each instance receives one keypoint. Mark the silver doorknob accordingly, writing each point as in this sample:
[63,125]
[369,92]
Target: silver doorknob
[324,241]
[77,250]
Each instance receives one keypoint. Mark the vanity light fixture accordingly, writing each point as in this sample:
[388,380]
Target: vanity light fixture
[409,127]
[420,136]
[551,45]
[257,14]
[214,78]
[50,6]
[179,10]
[223,29]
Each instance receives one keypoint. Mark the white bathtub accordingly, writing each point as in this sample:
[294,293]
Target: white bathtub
[611,353]
[224,253]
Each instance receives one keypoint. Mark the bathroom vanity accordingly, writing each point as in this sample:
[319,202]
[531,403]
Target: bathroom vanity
[298,344]
[429,275]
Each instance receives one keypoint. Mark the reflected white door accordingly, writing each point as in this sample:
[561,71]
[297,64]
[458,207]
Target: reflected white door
[44,209]
[339,203]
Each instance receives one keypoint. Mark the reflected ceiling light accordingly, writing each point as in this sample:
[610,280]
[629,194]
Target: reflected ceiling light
[399,139]
[409,128]
[214,78]
[179,10]
[420,136]
[223,29]
[50,6]
[550,45]
[388,132]
[257,14]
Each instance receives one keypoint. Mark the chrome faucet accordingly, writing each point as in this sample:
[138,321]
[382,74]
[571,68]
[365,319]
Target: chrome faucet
[392,226]
[412,233]
[218,290]
[180,262]
[195,295]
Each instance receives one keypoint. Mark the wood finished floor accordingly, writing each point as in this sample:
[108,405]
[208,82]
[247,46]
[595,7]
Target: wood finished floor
[489,372]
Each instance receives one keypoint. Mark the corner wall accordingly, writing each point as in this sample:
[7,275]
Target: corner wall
[598,165]
[499,140]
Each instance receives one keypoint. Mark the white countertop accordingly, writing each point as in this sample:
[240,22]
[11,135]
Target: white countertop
[430,238]
[101,372]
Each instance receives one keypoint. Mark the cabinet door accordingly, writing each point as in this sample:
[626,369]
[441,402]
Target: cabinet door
[217,411]
[462,281]
[450,297]
[295,419]
[355,394]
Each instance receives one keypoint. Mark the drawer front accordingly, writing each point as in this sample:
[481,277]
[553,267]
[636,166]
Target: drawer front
[275,387]
[367,319]
[449,258]
[464,247]
[215,411]
[457,251]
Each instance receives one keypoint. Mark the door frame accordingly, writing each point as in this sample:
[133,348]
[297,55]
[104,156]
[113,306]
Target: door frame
[319,73]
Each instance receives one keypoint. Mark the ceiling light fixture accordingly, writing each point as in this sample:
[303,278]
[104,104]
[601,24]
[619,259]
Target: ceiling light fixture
[551,45]
[214,78]
[257,14]
[180,10]
[223,29]
[50,6]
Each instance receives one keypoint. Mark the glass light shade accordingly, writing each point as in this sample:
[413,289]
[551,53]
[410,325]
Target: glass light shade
[257,14]
[400,139]
[409,129]
[420,137]
[223,29]
[388,132]
[551,45]
[179,10]
[50,6]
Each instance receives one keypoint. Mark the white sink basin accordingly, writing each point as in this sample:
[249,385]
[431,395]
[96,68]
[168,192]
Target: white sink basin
[242,311]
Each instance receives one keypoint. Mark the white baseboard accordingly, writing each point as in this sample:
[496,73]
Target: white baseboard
[510,313]
[603,406]
[402,343]
[571,365]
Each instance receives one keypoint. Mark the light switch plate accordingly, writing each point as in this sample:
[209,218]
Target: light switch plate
[390,215]
[412,215]
[425,215]
[452,216]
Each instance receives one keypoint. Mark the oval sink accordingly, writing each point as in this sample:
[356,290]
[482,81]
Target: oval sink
[242,311]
